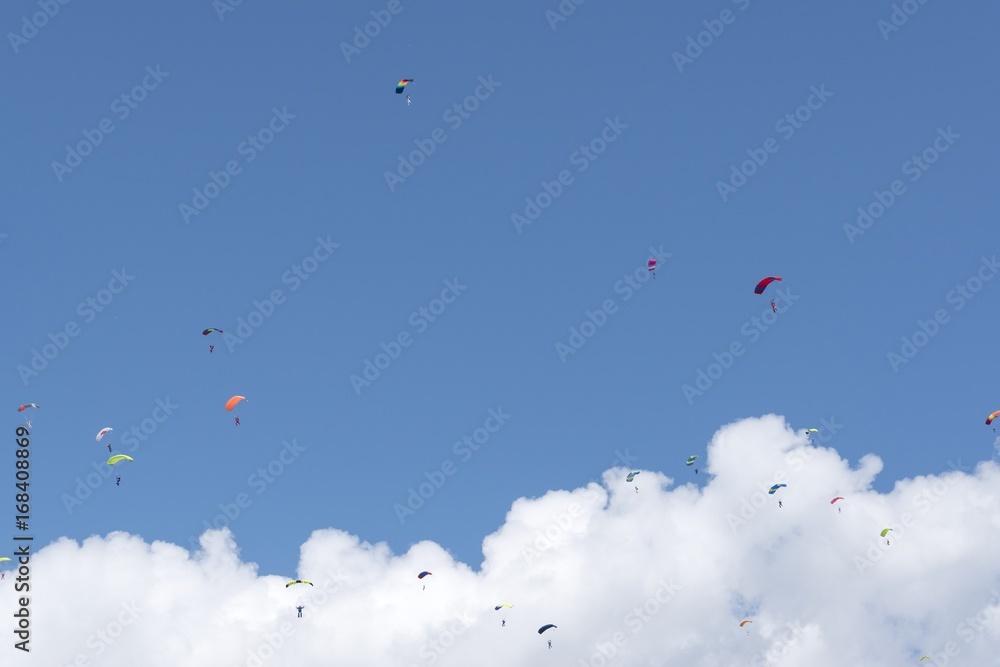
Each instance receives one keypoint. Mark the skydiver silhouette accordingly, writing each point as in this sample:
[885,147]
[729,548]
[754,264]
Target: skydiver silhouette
[779,504]
[237,421]
[109,446]
[838,510]
[503,623]
[211,348]
[550,643]
[637,489]
[29,425]
[774,308]
[407,100]
[696,471]
[299,609]
[118,480]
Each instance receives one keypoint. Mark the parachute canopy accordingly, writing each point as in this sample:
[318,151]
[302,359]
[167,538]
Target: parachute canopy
[298,581]
[423,574]
[925,657]
[231,403]
[503,604]
[836,499]
[32,405]
[775,488]
[103,432]
[210,330]
[812,430]
[546,627]
[742,623]
[691,460]
[651,265]
[885,531]
[4,559]
[762,285]
[631,476]
[118,458]
[403,83]
[988,419]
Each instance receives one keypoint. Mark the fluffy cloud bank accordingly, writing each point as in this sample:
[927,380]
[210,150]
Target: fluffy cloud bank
[663,576]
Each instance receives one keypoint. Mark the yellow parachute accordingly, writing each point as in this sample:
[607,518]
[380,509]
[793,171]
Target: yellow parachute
[118,458]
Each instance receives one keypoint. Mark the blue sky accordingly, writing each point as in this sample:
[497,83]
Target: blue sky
[494,347]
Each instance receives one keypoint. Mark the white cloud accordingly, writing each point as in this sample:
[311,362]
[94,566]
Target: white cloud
[662,576]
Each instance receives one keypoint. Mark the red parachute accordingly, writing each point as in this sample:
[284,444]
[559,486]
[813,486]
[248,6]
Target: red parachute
[762,285]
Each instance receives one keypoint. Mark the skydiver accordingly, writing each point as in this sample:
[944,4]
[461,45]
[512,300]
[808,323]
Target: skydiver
[109,447]
[211,348]
[838,510]
[29,425]
[424,588]
[503,623]
[407,100]
[696,471]
[550,643]
[637,489]
[118,480]
[774,308]
[237,421]
[299,609]
[779,504]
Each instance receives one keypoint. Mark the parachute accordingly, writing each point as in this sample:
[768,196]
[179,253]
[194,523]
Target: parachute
[503,604]
[4,559]
[103,432]
[423,574]
[231,403]
[210,330]
[546,627]
[298,581]
[836,499]
[631,476]
[118,458]
[762,285]
[924,657]
[691,460]
[988,419]
[32,405]
[651,265]
[884,531]
[745,622]
[403,83]
[775,488]
[812,430]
